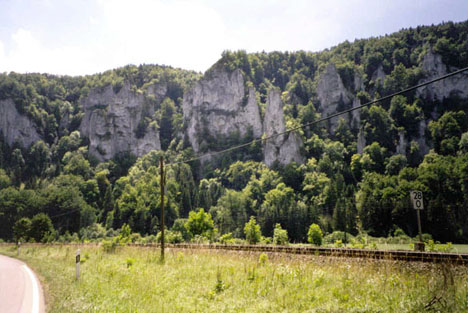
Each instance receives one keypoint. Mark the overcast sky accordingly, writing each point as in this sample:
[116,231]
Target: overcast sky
[90,36]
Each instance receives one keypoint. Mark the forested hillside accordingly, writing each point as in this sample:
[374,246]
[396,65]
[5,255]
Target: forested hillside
[76,151]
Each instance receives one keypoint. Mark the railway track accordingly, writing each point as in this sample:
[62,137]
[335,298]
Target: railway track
[400,255]
[396,255]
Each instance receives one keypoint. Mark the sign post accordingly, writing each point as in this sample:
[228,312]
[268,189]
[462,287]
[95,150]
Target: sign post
[418,204]
[77,261]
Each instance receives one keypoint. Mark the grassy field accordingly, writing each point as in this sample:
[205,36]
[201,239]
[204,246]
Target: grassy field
[134,280]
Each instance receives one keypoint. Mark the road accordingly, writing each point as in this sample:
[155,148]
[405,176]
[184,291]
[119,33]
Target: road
[20,290]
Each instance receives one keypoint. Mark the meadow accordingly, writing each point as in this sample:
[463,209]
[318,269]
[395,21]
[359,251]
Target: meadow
[133,279]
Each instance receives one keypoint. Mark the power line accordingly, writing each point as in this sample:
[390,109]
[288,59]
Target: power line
[322,119]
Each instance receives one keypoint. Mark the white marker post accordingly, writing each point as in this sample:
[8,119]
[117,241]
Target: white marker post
[77,261]
[19,246]
[418,204]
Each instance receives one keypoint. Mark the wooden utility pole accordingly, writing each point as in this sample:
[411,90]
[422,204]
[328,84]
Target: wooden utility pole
[162,183]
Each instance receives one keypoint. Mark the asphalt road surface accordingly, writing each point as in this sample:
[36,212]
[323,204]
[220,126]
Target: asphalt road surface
[20,290]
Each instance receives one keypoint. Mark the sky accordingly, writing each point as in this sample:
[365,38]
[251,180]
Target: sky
[79,37]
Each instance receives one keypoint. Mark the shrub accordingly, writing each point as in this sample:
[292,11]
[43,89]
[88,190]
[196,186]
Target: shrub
[337,235]
[315,235]
[426,237]
[437,247]
[399,232]
[21,229]
[200,223]
[263,258]
[280,235]
[338,244]
[170,237]
[93,231]
[110,246]
[41,227]
[226,238]
[252,231]
[266,240]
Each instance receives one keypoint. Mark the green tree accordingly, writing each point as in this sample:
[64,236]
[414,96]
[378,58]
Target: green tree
[252,231]
[22,229]
[280,235]
[41,227]
[446,131]
[315,235]
[200,223]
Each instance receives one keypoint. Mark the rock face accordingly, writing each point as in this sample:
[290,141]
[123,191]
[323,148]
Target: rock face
[111,119]
[433,67]
[378,76]
[332,93]
[402,143]
[217,105]
[16,127]
[283,148]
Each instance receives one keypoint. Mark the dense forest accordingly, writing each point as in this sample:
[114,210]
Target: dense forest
[57,185]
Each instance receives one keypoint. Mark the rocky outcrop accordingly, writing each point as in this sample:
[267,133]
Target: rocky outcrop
[361,141]
[111,120]
[218,105]
[378,77]
[282,148]
[421,140]
[16,127]
[434,67]
[332,94]
[402,143]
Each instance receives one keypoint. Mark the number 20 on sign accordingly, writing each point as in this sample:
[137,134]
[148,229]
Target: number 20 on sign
[417,199]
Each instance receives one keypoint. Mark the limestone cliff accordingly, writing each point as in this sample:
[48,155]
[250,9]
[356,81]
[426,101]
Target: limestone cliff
[332,94]
[217,105]
[111,119]
[433,67]
[16,127]
[283,148]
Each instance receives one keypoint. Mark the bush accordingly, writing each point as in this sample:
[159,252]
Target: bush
[200,239]
[426,237]
[266,240]
[226,238]
[200,223]
[262,259]
[252,231]
[94,231]
[315,235]
[337,235]
[22,229]
[110,246]
[180,225]
[438,247]
[41,228]
[170,237]
[280,235]
[399,232]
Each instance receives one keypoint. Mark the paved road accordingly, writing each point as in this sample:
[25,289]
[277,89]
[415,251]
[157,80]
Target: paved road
[20,290]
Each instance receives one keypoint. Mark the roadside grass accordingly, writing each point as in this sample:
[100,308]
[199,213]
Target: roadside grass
[133,279]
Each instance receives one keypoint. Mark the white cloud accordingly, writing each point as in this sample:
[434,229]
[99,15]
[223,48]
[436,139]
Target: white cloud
[181,34]
[103,34]
[29,55]
[184,34]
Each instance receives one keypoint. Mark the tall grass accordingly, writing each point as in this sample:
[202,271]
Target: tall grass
[134,280]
